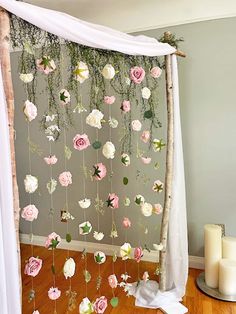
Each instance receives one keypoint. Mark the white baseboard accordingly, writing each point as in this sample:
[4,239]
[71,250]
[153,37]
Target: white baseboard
[91,247]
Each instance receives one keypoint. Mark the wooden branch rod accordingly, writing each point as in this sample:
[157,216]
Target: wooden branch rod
[8,89]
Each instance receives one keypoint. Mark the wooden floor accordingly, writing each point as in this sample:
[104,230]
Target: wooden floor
[194,300]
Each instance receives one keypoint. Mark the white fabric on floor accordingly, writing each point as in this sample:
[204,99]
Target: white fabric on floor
[98,36]
[9,280]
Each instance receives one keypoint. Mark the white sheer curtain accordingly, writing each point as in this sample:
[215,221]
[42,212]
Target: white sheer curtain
[102,37]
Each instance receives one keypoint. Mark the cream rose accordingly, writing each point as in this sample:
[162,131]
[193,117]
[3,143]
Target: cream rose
[69,268]
[125,251]
[81,72]
[85,203]
[85,307]
[146,209]
[26,77]
[108,150]
[30,110]
[136,125]
[108,72]
[94,119]
[31,183]
[146,93]
[98,235]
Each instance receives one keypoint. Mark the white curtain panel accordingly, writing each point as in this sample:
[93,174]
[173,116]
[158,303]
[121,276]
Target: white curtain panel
[96,36]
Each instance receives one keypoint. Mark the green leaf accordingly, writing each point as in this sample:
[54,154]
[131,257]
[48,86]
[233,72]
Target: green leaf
[125,180]
[148,114]
[68,152]
[114,302]
[97,145]
[51,185]
[53,269]
[68,238]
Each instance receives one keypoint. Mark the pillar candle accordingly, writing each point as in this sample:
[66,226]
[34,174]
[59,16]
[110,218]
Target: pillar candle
[229,248]
[213,254]
[227,276]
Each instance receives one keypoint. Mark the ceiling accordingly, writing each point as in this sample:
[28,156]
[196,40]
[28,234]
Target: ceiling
[137,15]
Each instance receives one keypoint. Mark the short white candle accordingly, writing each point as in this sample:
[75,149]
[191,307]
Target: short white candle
[229,248]
[227,276]
[213,254]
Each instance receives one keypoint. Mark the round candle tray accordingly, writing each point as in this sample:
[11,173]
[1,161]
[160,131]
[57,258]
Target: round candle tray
[211,291]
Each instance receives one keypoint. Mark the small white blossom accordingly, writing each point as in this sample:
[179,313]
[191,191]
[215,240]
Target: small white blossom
[108,150]
[85,203]
[69,268]
[98,235]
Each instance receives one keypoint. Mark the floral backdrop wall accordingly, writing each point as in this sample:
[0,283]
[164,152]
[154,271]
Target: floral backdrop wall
[90,155]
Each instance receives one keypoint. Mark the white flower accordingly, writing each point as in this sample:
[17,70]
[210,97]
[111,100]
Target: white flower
[125,276]
[85,307]
[31,183]
[81,72]
[67,216]
[125,159]
[114,234]
[85,228]
[146,209]
[69,268]
[85,203]
[108,72]
[94,119]
[108,150]
[50,118]
[50,138]
[30,110]
[113,122]
[64,96]
[98,235]
[26,77]
[126,201]
[145,276]
[158,186]
[139,199]
[158,247]
[99,257]
[127,80]
[125,251]
[146,93]
[136,125]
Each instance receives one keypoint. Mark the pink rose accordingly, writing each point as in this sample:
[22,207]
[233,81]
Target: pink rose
[146,160]
[52,241]
[50,160]
[125,106]
[45,65]
[81,141]
[156,72]
[137,74]
[65,178]
[157,209]
[138,254]
[112,280]
[33,266]
[100,305]
[136,125]
[109,100]
[100,171]
[113,200]
[30,212]
[145,136]
[126,222]
[54,293]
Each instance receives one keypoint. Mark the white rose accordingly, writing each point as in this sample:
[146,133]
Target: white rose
[98,235]
[125,159]
[26,77]
[139,199]
[108,72]
[136,125]
[30,110]
[69,268]
[85,228]
[108,150]
[125,251]
[146,93]
[85,203]
[113,123]
[99,257]
[31,183]
[94,119]
[146,209]
[85,307]
[158,247]
[81,72]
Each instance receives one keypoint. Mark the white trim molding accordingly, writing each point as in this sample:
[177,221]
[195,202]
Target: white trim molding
[91,247]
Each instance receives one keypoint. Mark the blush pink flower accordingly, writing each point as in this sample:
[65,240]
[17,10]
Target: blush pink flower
[81,141]
[137,74]
[156,72]
[65,178]
[126,222]
[52,240]
[45,65]
[145,136]
[157,209]
[30,212]
[112,280]
[33,266]
[125,107]
[109,100]
[113,200]
[136,125]
[138,254]
[146,160]
[54,293]
[100,305]
[50,160]
[100,171]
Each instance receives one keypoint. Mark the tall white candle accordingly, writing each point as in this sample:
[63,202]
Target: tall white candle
[227,276]
[213,254]
[229,248]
